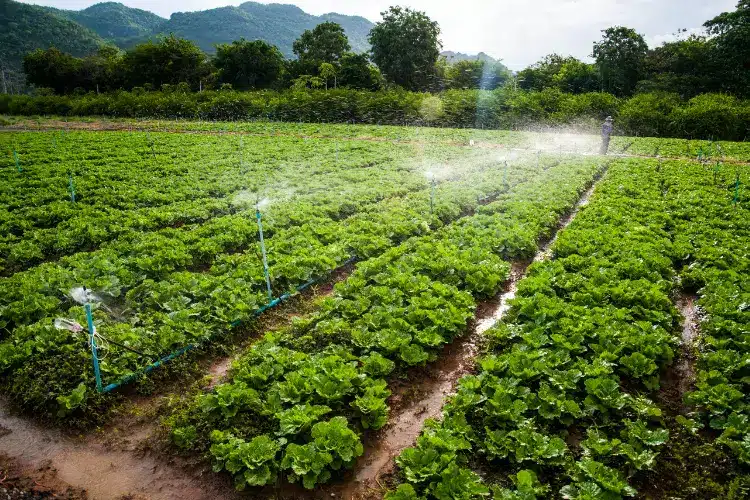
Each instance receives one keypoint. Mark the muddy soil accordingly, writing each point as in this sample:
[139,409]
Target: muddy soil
[126,458]
[679,379]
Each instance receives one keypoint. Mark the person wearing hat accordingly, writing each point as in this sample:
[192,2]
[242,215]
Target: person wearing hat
[606,135]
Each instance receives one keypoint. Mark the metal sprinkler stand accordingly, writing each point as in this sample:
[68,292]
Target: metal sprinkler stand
[92,342]
[18,164]
[263,252]
[432,195]
[71,187]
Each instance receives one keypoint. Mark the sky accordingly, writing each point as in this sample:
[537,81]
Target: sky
[520,32]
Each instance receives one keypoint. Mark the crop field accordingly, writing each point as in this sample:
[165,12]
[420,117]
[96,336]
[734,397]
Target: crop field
[458,314]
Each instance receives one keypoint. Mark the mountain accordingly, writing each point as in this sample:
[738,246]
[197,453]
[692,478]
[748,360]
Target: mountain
[277,24]
[114,21]
[24,28]
[454,57]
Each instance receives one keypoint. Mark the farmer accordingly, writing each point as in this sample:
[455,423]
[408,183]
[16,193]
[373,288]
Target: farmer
[606,133]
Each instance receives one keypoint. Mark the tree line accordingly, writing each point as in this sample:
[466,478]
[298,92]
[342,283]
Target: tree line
[405,53]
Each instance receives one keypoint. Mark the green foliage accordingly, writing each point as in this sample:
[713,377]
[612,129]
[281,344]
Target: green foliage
[356,72]
[567,74]
[25,28]
[169,60]
[730,31]
[326,43]
[476,75]
[249,65]
[620,57]
[72,401]
[251,463]
[414,38]
[115,21]
[334,446]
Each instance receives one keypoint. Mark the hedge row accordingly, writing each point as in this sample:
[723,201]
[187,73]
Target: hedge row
[709,116]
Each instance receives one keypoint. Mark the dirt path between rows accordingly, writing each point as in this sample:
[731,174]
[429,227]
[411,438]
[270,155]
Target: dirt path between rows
[679,378]
[422,395]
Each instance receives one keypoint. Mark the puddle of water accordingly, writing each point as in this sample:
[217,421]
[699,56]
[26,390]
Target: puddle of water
[87,464]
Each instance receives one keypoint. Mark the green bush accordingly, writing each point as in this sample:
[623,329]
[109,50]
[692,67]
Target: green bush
[649,114]
[712,116]
[658,114]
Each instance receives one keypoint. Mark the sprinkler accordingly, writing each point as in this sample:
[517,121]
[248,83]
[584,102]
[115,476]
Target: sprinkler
[538,158]
[263,252]
[92,342]
[71,187]
[85,297]
[18,164]
[431,176]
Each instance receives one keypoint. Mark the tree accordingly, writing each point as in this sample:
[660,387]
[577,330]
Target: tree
[405,46]
[53,69]
[357,73]
[688,67]
[468,74]
[620,58]
[169,60]
[326,43]
[249,65]
[102,71]
[327,71]
[577,77]
[541,74]
[731,31]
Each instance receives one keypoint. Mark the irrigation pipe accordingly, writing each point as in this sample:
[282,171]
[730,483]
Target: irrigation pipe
[179,352]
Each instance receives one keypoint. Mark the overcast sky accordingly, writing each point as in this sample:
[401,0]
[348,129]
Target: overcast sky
[518,31]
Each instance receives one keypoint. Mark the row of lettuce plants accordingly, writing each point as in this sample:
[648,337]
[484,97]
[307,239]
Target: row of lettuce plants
[714,237]
[298,401]
[47,370]
[561,404]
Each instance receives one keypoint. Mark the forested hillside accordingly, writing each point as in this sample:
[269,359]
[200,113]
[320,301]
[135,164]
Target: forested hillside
[24,28]
[115,21]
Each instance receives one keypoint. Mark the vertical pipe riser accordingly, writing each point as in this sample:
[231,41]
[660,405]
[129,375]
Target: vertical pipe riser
[92,341]
[265,257]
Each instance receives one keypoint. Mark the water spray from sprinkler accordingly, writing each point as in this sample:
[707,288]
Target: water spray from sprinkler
[97,341]
[258,206]
[431,177]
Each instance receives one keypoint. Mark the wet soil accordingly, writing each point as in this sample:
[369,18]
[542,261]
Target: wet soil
[95,467]
[16,484]
[679,379]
